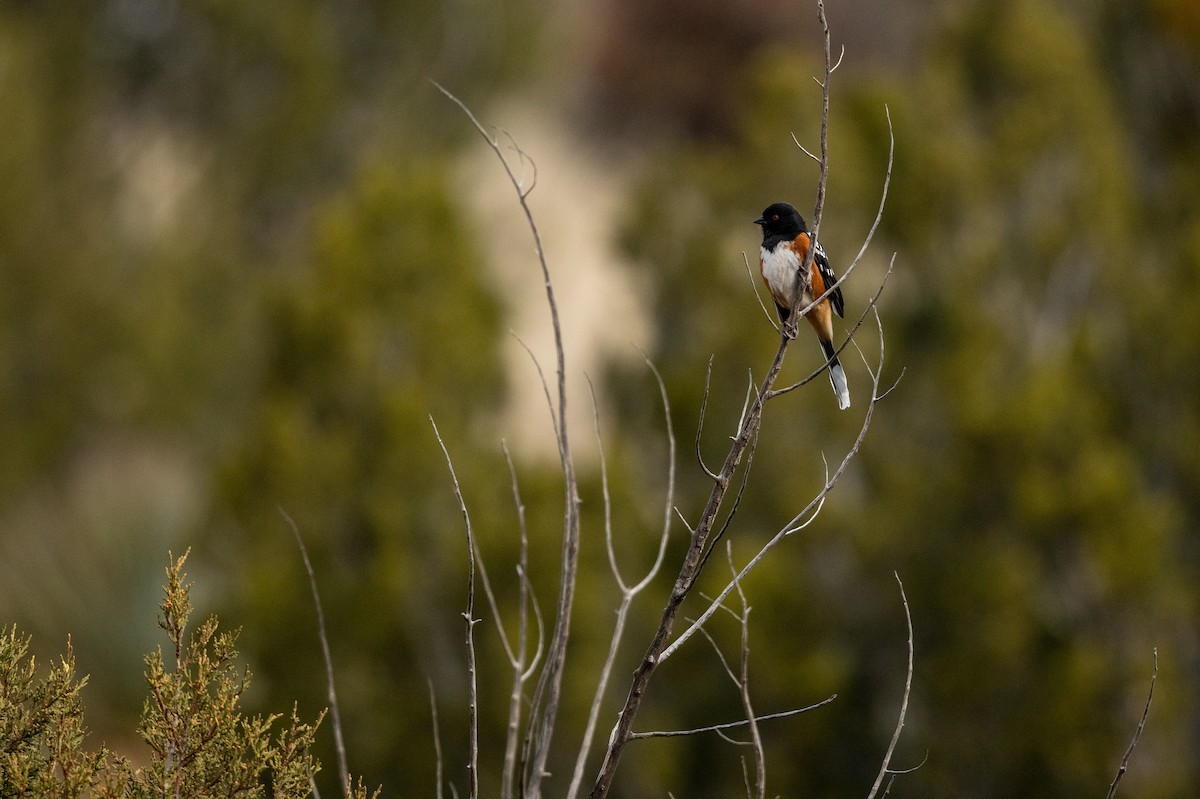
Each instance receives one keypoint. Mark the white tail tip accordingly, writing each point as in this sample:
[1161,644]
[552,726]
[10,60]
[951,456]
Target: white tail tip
[837,376]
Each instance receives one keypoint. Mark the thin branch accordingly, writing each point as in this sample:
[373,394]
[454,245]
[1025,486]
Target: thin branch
[545,384]
[541,624]
[737,502]
[688,572]
[712,642]
[700,423]
[604,492]
[1137,733]
[331,692]
[544,706]
[841,55]
[693,559]
[469,619]
[760,760]
[520,671]
[805,270]
[731,724]
[627,592]
[804,149]
[887,758]
[909,770]
[813,507]
[871,305]
[669,499]
[887,182]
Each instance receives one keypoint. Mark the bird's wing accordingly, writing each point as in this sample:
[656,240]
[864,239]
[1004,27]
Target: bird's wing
[828,278]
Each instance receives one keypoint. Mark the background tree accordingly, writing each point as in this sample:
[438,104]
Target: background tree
[240,262]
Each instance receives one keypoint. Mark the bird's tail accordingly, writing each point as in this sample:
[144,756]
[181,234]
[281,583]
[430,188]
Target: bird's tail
[837,375]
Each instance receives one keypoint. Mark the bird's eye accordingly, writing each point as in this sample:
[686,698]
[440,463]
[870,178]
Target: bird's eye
[774,217]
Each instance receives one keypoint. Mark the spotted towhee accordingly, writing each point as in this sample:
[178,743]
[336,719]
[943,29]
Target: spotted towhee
[784,249]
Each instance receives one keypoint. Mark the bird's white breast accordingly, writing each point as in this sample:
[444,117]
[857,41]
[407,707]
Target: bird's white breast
[779,267]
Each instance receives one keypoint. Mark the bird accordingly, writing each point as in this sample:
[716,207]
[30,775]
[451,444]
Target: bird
[785,246]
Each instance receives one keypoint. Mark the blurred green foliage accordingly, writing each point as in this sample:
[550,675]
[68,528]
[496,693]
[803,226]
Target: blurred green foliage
[240,268]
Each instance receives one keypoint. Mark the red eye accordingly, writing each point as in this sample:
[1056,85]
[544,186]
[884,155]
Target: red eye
[774,217]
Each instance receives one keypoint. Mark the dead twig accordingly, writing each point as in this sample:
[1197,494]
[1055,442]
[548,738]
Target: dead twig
[743,682]
[628,592]
[1137,733]
[887,758]
[335,715]
[544,704]
[470,621]
[729,725]
[694,558]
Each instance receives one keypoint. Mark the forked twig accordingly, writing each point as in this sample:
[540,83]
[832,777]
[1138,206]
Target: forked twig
[628,592]
[693,560]
[795,524]
[544,704]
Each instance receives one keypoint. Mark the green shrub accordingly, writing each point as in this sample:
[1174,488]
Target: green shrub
[200,744]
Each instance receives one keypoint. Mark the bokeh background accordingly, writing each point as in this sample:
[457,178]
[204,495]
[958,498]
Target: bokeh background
[246,249]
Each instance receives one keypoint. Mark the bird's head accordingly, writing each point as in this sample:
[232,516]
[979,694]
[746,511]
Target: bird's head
[781,219]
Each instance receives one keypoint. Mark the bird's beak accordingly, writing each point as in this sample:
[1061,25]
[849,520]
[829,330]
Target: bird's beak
[760,221]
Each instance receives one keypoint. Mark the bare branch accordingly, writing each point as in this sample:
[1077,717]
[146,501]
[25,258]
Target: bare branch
[804,149]
[1137,733]
[541,624]
[737,501]
[627,592]
[545,385]
[544,705]
[871,305]
[812,508]
[330,691]
[760,760]
[669,500]
[700,423]
[608,531]
[887,758]
[520,672]
[694,559]
[469,619]
[802,274]
[731,724]
[887,182]
[841,55]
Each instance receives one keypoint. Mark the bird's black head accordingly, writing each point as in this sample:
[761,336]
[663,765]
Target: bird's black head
[781,220]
